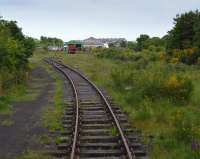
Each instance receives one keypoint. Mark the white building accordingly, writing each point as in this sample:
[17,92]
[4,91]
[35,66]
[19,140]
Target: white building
[106,45]
[94,45]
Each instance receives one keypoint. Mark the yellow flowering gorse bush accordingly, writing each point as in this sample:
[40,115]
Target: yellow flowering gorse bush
[178,88]
[173,83]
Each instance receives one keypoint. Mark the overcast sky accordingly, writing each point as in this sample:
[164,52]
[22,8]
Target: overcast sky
[80,19]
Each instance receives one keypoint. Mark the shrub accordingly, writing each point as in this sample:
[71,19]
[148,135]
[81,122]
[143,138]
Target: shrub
[155,82]
[175,60]
[187,56]
[124,54]
[178,88]
[116,53]
[162,56]
[122,79]
[186,129]
[150,55]
[15,49]
[144,111]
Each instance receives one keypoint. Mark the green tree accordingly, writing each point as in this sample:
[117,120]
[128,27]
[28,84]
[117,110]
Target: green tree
[141,42]
[14,30]
[185,33]
[155,41]
[123,44]
[197,34]
[132,45]
[45,42]
[111,45]
[15,49]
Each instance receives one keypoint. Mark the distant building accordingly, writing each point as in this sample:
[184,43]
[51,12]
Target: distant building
[102,43]
[93,45]
[76,45]
[106,45]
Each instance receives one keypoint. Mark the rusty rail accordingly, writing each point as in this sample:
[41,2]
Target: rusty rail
[73,151]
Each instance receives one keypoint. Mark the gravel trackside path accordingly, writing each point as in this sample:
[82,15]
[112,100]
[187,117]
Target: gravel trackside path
[22,134]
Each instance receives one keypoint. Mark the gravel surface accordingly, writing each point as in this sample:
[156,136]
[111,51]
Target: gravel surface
[23,134]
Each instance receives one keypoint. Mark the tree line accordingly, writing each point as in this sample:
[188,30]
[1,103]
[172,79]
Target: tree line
[46,42]
[15,49]
[181,42]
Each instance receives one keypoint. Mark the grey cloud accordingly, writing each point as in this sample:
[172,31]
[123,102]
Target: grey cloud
[16,2]
[71,19]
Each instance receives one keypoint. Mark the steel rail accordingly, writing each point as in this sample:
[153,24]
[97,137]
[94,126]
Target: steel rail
[73,151]
[125,142]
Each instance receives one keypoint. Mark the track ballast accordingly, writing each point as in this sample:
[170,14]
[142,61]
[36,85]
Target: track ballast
[94,126]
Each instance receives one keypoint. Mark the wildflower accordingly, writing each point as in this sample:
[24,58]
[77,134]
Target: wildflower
[173,82]
[175,60]
[162,56]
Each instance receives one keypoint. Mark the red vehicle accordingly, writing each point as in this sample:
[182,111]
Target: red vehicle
[73,47]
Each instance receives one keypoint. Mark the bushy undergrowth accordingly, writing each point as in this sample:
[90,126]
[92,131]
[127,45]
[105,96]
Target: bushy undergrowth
[127,55]
[116,53]
[187,56]
[156,81]
[15,49]
[158,96]
[186,128]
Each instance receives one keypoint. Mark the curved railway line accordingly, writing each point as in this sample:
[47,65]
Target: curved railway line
[94,126]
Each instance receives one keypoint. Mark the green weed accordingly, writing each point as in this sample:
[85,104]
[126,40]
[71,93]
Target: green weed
[34,155]
[114,131]
[52,118]
[6,123]
[5,107]
[58,140]
[45,139]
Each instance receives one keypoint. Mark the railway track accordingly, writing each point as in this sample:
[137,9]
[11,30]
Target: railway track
[94,126]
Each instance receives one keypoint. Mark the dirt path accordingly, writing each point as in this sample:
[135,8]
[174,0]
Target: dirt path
[22,134]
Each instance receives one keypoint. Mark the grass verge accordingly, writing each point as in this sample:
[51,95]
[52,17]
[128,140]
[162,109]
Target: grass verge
[52,118]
